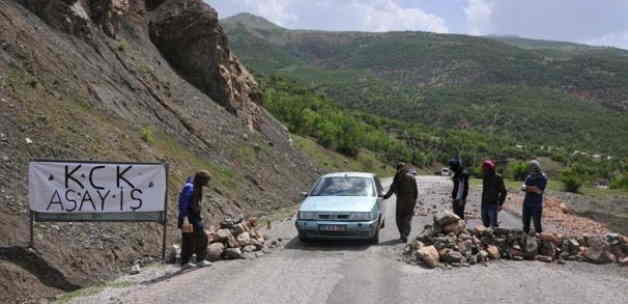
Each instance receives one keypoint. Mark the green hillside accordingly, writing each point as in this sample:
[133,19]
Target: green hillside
[537,92]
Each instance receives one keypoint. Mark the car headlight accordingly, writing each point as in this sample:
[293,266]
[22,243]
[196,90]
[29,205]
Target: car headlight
[307,215]
[362,216]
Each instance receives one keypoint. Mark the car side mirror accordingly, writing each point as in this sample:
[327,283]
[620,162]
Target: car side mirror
[304,194]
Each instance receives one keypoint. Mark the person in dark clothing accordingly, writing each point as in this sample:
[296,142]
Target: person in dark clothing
[534,187]
[461,187]
[405,187]
[493,194]
[190,214]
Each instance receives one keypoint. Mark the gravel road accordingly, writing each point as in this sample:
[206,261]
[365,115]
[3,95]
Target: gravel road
[347,272]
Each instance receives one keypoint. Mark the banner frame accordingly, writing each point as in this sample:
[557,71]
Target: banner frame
[164,214]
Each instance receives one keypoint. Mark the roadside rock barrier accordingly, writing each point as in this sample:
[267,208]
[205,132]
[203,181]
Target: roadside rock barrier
[234,238]
[449,243]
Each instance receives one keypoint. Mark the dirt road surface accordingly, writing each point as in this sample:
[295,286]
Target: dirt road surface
[343,273]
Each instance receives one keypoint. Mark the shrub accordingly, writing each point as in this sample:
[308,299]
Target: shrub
[518,171]
[475,172]
[620,182]
[147,135]
[123,46]
[571,180]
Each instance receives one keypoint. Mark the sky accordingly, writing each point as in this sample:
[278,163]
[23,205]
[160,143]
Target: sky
[597,22]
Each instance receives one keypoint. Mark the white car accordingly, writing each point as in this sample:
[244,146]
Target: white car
[445,172]
[344,205]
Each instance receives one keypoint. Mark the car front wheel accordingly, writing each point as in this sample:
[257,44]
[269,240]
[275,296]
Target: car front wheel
[304,239]
[375,238]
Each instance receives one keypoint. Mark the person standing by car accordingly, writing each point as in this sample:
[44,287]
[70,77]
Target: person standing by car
[193,239]
[461,187]
[493,194]
[534,187]
[405,187]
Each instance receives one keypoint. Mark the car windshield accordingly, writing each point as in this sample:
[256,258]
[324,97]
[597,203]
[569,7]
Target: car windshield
[344,186]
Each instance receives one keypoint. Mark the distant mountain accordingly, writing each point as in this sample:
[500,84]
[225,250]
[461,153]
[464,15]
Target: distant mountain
[250,21]
[575,95]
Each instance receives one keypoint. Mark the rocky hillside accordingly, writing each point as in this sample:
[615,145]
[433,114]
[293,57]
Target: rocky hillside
[537,92]
[121,80]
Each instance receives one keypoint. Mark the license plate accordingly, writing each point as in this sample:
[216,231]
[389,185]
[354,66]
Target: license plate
[336,228]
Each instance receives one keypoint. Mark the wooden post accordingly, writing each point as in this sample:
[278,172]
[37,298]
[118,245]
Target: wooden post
[31,244]
[165,221]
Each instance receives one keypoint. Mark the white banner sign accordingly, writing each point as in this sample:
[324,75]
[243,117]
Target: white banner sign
[81,188]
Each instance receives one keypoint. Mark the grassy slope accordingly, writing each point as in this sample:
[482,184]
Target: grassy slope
[331,161]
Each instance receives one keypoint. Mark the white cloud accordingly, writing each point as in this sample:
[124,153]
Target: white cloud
[479,14]
[347,15]
[593,22]
[617,39]
[387,15]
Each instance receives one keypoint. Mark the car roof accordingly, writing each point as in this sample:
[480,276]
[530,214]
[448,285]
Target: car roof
[351,174]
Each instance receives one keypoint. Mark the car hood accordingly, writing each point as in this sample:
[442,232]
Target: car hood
[338,203]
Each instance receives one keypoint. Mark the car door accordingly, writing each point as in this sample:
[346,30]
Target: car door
[380,191]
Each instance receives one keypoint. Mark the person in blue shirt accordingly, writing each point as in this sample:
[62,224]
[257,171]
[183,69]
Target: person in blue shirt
[534,187]
[190,214]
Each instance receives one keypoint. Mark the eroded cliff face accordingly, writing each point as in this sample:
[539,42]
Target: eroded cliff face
[201,54]
[118,80]
[82,17]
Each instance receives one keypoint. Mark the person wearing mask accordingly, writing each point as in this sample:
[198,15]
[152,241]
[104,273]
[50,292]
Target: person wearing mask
[493,194]
[193,240]
[534,187]
[461,187]
[405,187]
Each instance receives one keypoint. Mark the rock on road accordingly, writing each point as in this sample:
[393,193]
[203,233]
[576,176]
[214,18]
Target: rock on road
[347,272]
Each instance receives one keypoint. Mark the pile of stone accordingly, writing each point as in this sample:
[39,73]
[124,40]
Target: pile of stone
[448,242]
[234,238]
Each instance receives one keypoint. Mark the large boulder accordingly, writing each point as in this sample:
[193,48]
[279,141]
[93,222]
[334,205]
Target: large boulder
[451,256]
[233,253]
[596,241]
[201,55]
[445,218]
[479,230]
[223,235]
[108,14]
[455,228]
[531,246]
[232,242]
[548,248]
[244,239]
[241,228]
[230,222]
[550,237]
[482,256]
[256,235]
[428,256]
[215,251]
[597,256]
[493,252]
[174,253]
[211,236]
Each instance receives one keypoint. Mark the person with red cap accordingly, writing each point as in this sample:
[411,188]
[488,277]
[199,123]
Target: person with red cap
[493,194]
